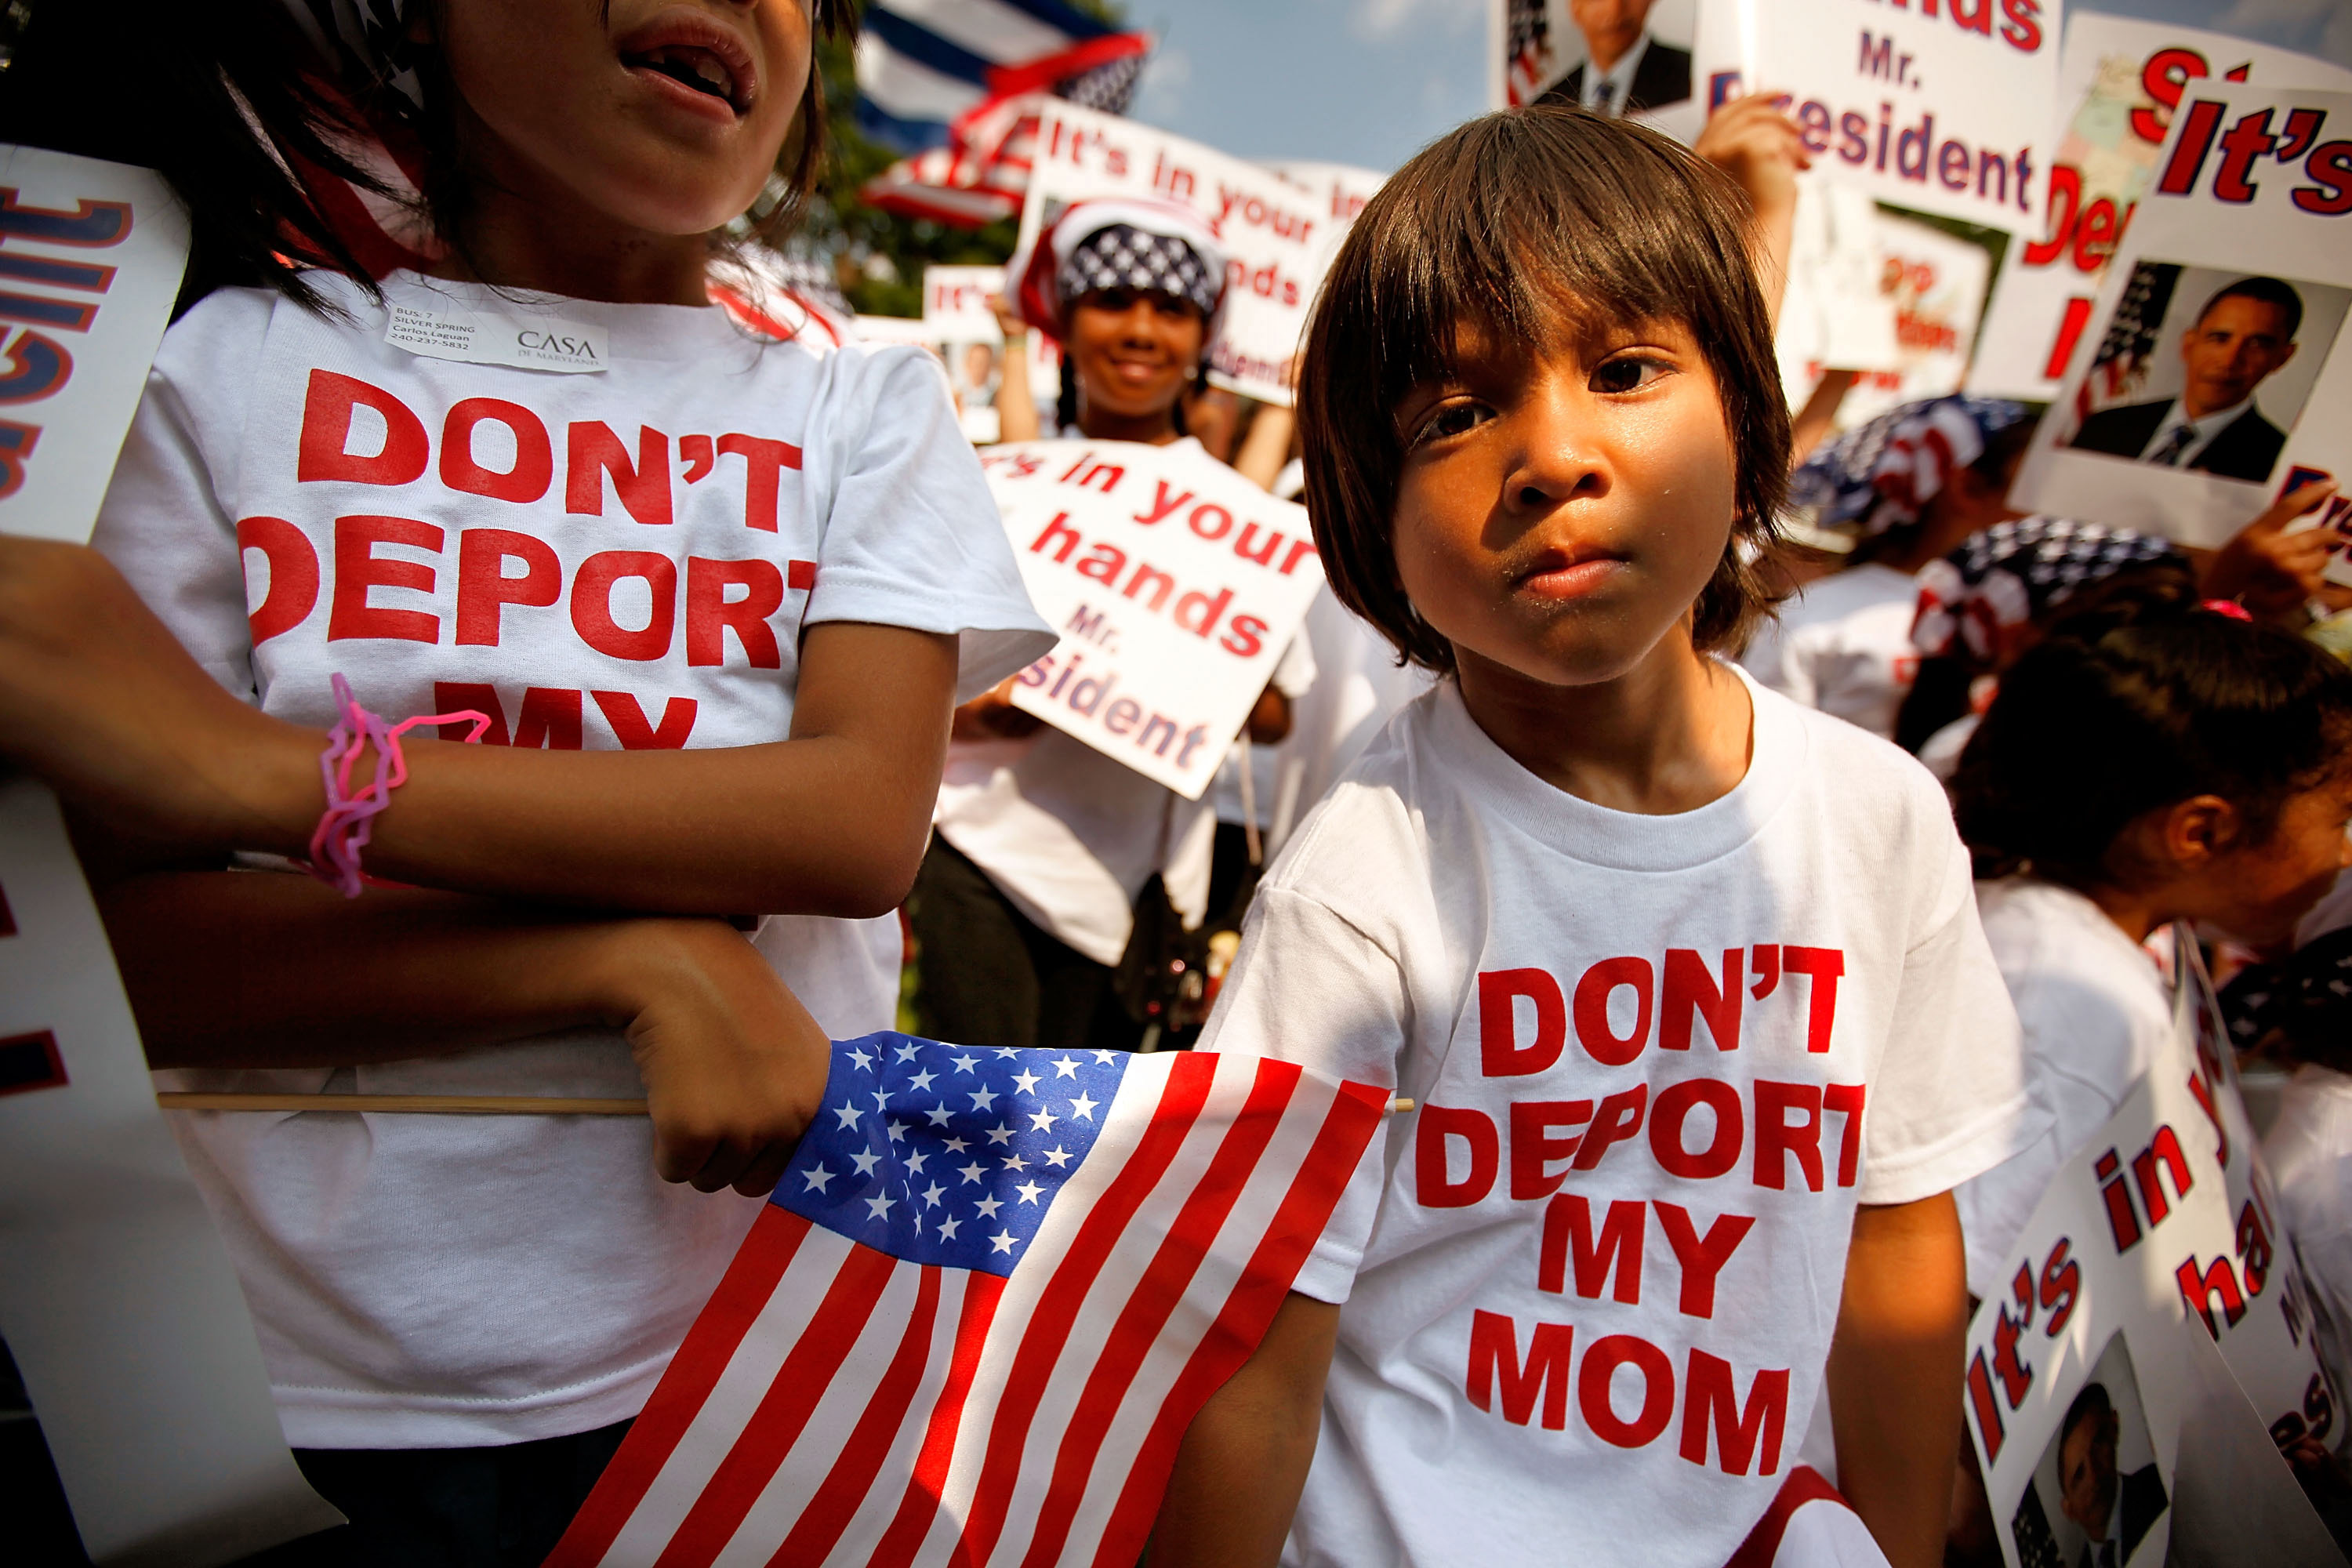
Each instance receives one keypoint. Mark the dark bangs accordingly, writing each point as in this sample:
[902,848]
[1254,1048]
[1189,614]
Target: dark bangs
[1520,225]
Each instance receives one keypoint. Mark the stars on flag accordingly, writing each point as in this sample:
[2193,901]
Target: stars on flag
[957,1156]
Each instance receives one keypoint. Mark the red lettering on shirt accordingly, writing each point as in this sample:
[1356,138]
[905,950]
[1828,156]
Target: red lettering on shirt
[1594,1390]
[711,615]
[1702,1257]
[1432,1184]
[1495,1357]
[1619,1118]
[1711,1399]
[483,588]
[1823,965]
[326,430]
[1776,1137]
[358,569]
[591,603]
[591,452]
[1533,1148]
[293,574]
[1499,1053]
[764,462]
[1691,992]
[1602,1043]
[1673,1109]
[534,460]
[630,727]
[1567,1238]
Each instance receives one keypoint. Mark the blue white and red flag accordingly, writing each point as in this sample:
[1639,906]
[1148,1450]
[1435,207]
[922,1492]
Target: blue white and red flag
[987,1299]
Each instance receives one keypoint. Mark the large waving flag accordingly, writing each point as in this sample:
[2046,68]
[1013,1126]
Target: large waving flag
[987,1299]
[924,64]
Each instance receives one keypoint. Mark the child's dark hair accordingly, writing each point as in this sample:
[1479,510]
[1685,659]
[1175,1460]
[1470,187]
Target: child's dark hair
[1506,224]
[2101,723]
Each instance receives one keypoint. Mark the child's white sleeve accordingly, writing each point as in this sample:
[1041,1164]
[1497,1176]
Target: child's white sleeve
[1948,1099]
[912,536]
[169,519]
[1308,987]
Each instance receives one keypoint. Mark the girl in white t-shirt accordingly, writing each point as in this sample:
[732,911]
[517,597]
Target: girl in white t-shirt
[1684,981]
[716,596]
[2141,766]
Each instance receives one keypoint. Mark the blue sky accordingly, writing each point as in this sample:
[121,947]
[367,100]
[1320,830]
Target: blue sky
[1368,81]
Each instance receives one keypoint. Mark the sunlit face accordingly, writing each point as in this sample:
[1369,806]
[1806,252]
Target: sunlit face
[660,115]
[2086,1473]
[1609,27]
[2229,352]
[1134,351]
[2264,888]
[1560,507]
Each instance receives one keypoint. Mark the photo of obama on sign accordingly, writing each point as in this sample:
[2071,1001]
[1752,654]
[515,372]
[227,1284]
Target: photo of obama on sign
[2215,413]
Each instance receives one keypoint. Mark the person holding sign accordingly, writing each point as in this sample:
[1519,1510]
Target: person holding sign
[707,600]
[1640,937]
[2245,335]
[2148,762]
[1027,899]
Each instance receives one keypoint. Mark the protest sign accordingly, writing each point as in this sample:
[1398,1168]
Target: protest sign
[2118,80]
[2165,1223]
[117,1298]
[955,303]
[1942,109]
[1175,584]
[1540,48]
[2208,374]
[1926,296]
[1278,238]
[1344,187]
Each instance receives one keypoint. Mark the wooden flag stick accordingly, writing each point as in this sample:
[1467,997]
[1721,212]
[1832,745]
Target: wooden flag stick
[436,1104]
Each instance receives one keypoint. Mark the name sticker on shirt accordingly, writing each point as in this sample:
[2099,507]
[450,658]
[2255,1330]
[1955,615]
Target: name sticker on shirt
[480,337]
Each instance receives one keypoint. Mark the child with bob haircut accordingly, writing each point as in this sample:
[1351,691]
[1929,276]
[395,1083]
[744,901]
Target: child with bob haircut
[2151,761]
[1685,981]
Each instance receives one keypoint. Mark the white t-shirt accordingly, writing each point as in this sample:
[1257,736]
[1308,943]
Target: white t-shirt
[2309,1152]
[1070,835]
[1294,675]
[1843,646]
[2094,1013]
[1522,1358]
[617,559]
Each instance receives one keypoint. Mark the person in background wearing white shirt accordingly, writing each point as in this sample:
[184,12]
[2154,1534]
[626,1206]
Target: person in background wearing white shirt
[1026,899]
[1912,485]
[2178,765]
[1638,938]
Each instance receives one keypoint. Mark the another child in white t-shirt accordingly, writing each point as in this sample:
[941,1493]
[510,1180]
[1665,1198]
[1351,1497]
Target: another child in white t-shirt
[1685,981]
[2170,763]
[717,596]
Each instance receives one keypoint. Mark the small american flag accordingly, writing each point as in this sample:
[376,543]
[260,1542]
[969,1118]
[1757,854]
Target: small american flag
[988,1297]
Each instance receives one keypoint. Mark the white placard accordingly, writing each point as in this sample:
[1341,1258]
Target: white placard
[2163,1225]
[1541,46]
[1344,187]
[1931,287]
[1277,237]
[2253,189]
[955,303]
[117,1299]
[90,262]
[1175,584]
[2118,80]
[1940,108]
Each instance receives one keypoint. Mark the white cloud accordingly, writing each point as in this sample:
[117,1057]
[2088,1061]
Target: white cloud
[1160,95]
[1380,19]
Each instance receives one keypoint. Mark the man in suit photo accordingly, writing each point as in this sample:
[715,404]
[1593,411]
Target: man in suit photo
[2245,335]
[1625,71]
[2115,1512]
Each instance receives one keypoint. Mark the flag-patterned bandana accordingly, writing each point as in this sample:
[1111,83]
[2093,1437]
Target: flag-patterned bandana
[1883,473]
[2012,572]
[1124,257]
